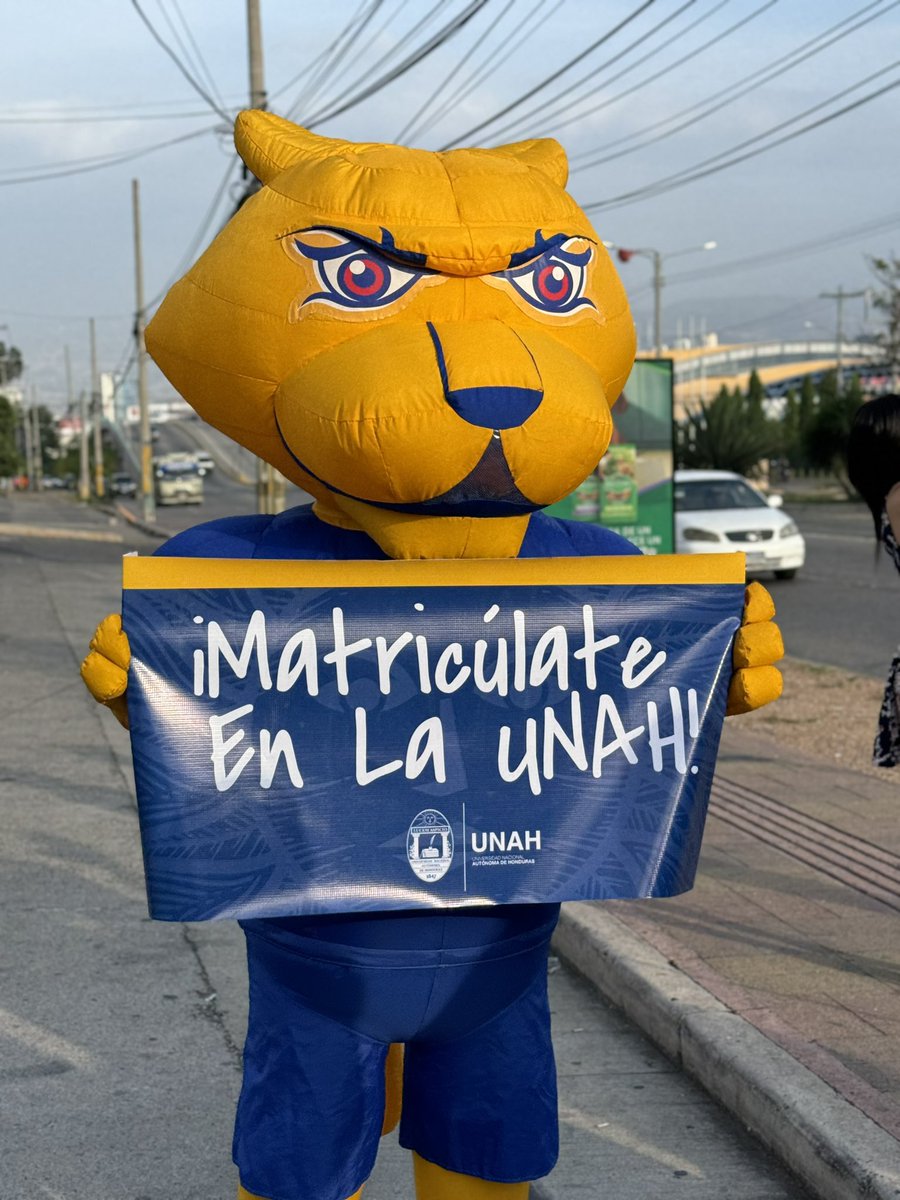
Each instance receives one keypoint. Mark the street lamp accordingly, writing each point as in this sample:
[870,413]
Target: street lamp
[624,254]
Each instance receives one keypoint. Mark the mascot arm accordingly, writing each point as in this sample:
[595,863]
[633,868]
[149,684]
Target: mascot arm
[105,669]
[757,647]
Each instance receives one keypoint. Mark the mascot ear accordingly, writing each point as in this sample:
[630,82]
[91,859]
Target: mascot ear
[546,154]
[269,144]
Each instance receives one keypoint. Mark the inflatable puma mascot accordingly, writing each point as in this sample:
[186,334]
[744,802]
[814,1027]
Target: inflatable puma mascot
[429,343]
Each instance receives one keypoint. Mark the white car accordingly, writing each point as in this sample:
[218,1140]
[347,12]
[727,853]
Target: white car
[205,462]
[717,512]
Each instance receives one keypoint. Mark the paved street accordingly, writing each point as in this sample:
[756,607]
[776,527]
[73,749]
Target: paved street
[120,1037]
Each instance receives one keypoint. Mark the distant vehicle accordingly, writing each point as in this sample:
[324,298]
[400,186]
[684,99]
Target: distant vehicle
[205,462]
[52,483]
[717,512]
[177,480]
[122,484]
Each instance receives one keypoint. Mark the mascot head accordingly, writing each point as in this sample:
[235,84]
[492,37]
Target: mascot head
[421,340]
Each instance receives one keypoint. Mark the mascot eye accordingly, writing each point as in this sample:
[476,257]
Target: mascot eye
[352,275]
[554,282]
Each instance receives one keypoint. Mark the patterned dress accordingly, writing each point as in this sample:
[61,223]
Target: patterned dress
[887,741]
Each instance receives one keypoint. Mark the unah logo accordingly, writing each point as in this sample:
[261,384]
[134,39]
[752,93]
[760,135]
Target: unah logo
[429,845]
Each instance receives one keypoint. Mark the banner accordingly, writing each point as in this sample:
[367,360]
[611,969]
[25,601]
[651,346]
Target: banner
[631,490]
[322,737]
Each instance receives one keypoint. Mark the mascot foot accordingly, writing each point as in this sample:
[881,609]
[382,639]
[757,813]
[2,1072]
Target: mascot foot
[243,1194]
[434,1183]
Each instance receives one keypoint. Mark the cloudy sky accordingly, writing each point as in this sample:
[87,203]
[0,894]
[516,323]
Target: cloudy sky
[681,88]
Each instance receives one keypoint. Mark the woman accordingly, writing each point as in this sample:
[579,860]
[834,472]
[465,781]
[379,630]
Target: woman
[873,463]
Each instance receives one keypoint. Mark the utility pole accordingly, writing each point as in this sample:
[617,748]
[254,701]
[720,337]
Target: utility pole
[99,481]
[148,505]
[269,483]
[840,296]
[84,477]
[37,454]
[29,449]
[657,302]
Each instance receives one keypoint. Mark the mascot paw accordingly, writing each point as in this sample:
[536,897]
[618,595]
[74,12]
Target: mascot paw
[757,647]
[105,670]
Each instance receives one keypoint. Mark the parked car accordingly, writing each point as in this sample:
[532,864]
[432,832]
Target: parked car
[718,512]
[122,484]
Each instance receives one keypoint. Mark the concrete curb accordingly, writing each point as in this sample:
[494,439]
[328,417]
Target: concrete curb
[119,510]
[838,1152]
[66,532]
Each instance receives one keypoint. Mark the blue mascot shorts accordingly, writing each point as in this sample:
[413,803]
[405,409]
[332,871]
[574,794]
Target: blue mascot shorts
[479,1080]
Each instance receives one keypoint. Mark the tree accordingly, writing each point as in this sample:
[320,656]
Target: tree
[9,454]
[11,364]
[729,434]
[887,301]
[826,436]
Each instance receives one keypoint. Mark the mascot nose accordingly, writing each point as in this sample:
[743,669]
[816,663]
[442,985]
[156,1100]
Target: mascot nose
[489,375]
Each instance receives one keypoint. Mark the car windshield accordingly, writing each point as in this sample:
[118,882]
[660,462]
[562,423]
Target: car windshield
[181,468]
[704,494]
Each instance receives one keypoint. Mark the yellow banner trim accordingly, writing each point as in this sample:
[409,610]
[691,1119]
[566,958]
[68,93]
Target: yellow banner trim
[167,574]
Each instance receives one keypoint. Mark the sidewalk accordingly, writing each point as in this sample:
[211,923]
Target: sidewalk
[776,981]
[788,952]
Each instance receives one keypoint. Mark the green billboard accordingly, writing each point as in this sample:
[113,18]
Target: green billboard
[631,489]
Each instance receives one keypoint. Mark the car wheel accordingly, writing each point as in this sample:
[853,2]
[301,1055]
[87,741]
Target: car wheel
[788,574]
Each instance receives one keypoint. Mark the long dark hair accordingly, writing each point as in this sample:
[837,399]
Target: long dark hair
[873,452]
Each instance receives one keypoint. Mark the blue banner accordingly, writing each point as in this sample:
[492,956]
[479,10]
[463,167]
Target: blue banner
[333,737]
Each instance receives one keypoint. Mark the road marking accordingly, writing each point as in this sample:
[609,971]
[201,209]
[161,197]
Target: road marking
[35,1037]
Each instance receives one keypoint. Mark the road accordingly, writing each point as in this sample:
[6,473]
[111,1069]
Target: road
[120,1037]
[843,608]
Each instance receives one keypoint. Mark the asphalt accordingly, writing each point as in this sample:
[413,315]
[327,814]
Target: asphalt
[771,991]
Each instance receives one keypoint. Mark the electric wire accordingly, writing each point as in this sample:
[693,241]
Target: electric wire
[391,53]
[826,242]
[725,96]
[443,35]
[69,120]
[704,168]
[100,163]
[491,63]
[198,87]
[539,87]
[409,127]
[319,77]
[678,62]
[539,117]
[206,222]
[204,67]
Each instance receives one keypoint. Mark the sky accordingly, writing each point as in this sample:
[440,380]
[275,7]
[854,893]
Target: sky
[84,81]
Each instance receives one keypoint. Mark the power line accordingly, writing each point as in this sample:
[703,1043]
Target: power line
[328,50]
[701,170]
[109,160]
[539,87]
[466,88]
[418,27]
[198,88]
[410,125]
[678,62]
[789,253]
[725,96]
[204,68]
[438,39]
[332,56]
[69,120]
[547,118]
[206,222]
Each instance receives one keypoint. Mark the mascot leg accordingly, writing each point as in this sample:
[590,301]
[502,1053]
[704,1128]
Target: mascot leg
[393,1088]
[434,1183]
